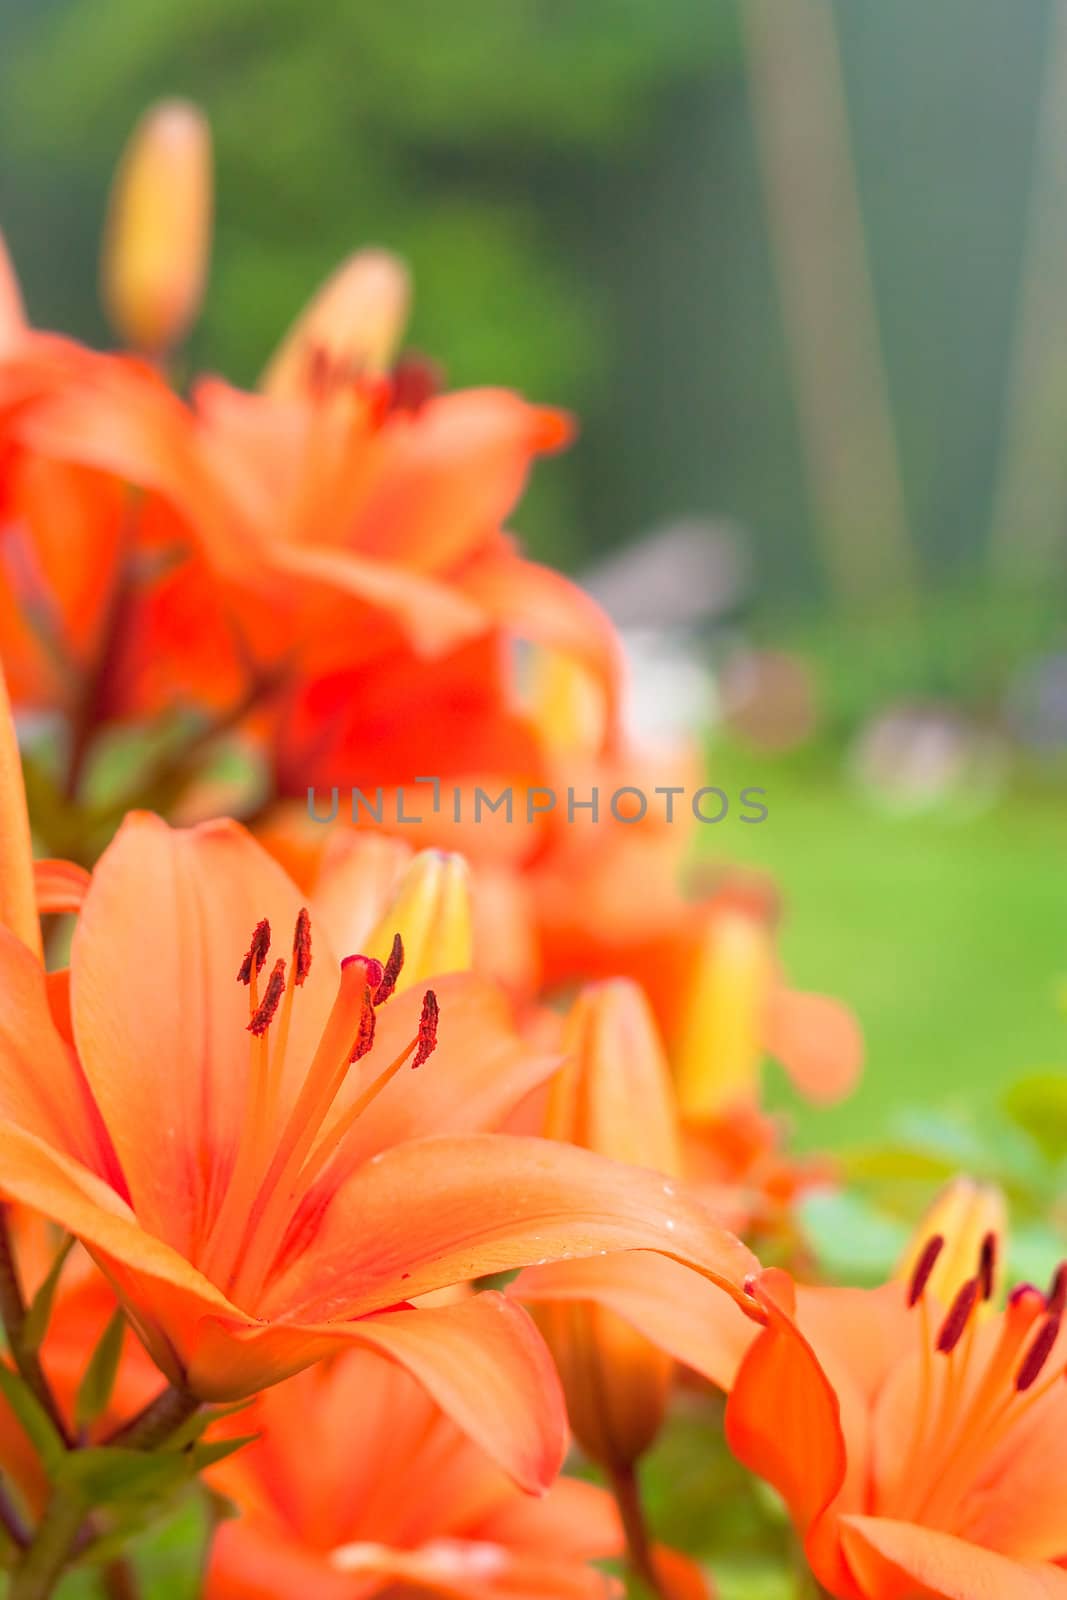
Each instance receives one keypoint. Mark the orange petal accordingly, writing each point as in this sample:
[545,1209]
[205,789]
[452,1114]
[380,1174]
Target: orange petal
[481,1069]
[782,1418]
[248,1562]
[897,1560]
[683,1314]
[18,907]
[159,1016]
[539,604]
[462,1569]
[60,886]
[818,1041]
[441,484]
[166,1295]
[42,1090]
[481,1360]
[432,1212]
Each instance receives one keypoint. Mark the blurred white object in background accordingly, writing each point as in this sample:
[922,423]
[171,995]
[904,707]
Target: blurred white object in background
[667,593]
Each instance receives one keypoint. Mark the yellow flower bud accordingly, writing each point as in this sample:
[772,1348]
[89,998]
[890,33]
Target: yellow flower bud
[352,326]
[614,1096]
[719,1041]
[431,911]
[158,234]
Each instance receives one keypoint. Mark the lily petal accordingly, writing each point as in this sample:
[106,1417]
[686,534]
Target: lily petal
[818,1041]
[18,908]
[898,1560]
[675,1309]
[60,886]
[782,1417]
[433,1212]
[481,1360]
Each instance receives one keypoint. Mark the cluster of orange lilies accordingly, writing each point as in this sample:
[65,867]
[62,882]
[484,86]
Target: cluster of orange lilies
[362,1169]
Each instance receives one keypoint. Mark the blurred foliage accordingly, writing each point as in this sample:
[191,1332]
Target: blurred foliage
[476,142]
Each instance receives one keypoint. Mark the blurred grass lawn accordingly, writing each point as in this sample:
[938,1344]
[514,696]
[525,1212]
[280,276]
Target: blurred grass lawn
[947,936]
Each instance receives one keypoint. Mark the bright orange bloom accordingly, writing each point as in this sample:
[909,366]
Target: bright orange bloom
[323,540]
[918,1443]
[250,1166]
[358,1484]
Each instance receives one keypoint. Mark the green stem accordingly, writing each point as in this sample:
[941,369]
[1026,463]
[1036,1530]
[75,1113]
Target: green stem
[13,1316]
[42,1565]
[625,1488]
[119,1581]
[154,1425]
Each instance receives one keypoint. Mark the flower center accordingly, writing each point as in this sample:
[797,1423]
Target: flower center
[280,1155]
[974,1390]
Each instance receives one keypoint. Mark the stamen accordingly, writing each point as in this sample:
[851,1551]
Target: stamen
[257,952]
[1056,1299]
[1038,1353]
[431,1011]
[263,1015]
[924,1267]
[954,1325]
[987,1265]
[365,1036]
[302,947]
[391,971]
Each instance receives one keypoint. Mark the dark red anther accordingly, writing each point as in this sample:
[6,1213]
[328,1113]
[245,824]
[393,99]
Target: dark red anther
[263,1015]
[301,947]
[1035,1358]
[1056,1299]
[365,1036]
[920,1276]
[415,380]
[987,1265]
[952,1328]
[391,971]
[427,1028]
[257,952]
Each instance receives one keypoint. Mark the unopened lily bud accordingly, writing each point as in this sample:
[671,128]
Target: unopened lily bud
[158,235]
[568,704]
[431,911]
[971,1220]
[613,1096]
[719,1044]
[351,328]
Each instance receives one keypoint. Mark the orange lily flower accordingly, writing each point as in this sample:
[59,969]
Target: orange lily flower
[326,536]
[416,1506]
[247,1165]
[916,1440]
[62,523]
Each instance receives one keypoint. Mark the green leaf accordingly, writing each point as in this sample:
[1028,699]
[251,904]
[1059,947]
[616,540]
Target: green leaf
[109,1476]
[40,1310]
[35,1421]
[208,1455]
[98,1381]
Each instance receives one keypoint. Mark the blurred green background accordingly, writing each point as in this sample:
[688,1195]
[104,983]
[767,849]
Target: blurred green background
[603,203]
